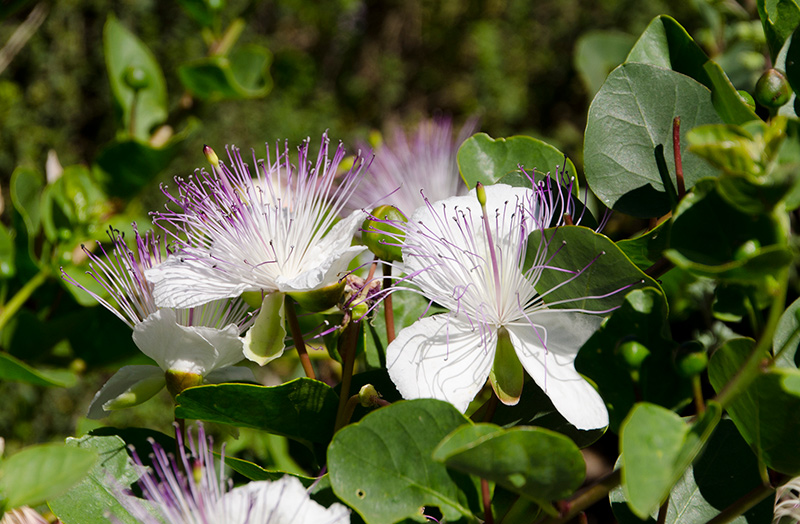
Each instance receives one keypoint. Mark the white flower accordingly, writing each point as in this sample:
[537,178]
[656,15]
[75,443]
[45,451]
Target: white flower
[204,497]
[200,342]
[787,502]
[276,233]
[470,260]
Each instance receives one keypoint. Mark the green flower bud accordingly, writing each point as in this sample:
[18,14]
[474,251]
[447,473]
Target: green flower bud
[633,353]
[211,155]
[772,89]
[368,396]
[320,299]
[380,237]
[136,78]
[691,359]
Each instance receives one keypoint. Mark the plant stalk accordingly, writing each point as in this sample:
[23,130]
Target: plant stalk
[18,300]
[297,336]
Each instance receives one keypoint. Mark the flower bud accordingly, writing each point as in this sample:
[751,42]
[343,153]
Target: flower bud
[633,353]
[136,78]
[380,236]
[691,359]
[772,89]
[368,396]
[211,155]
[480,191]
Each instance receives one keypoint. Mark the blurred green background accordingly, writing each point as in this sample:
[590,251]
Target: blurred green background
[348,66]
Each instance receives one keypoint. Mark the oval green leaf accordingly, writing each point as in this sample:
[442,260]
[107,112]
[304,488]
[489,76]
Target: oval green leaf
[631,115]
[39,473]
[484,159]
[146,107]
[303,409]
[382,466]
[242,74]
[14,370]
[538,463]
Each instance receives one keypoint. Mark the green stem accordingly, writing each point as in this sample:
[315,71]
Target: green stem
[348,360]
[17,301]
[752,367]
[388,309]
[587,497]
[743,504]
[297,336]
[232,34]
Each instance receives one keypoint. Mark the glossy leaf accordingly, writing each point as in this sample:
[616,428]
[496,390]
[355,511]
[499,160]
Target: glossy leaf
[665,43]
[26,194]
[760,411]
[303,409]
[39,473]
[711,237]
[642,318]
[540,464]
[779,19]
[597,53]
[97,494]
[242,74]
[382,466]
[484,159]
[657,446]
[141,109]
[646,249]
[787,337]
[595,267]
[630,116]
[14,370]
[725,472]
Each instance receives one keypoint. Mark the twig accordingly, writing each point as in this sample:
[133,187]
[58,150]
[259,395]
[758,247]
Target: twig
[22,34]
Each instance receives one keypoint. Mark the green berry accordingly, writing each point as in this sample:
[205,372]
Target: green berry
[691,359]
[136,78]
[633,353]
[772,89]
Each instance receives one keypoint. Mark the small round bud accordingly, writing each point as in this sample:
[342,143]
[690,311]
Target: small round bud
[633,353]
[136,78]
[772,89]
[691,359]
[747,250]
[747,98]
[380,236]
[368,396]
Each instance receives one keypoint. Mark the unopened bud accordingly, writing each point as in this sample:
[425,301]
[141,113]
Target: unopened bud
[136,78]
[480,191]
[368,396]
[772,89]
[380,236]
[211,156]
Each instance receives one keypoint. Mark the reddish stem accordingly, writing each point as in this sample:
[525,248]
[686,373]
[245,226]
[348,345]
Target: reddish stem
[676,149]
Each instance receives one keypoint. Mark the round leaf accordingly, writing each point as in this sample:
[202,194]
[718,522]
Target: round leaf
[39,473]
[382,466]
[243,74]
[631,115]
[540,464]
[484,159]
[787,337]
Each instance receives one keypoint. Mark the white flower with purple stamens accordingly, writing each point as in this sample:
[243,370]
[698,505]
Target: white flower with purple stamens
[407,164]
[468,256]
[196,344]
[204,497]
[787,502]
[274,233]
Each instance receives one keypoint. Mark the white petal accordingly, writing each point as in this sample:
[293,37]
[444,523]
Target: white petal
[554,369]
[284,501]
[129,386]
[195,349]
[327,260]
[263,342]
[441,357]
[182,283]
